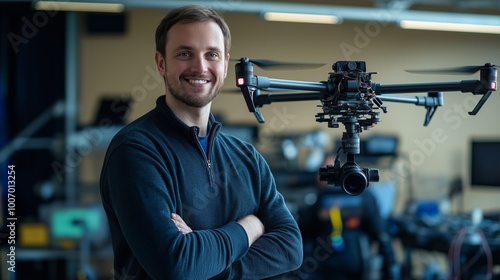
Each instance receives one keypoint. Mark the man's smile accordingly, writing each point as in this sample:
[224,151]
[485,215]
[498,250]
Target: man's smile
[196,81]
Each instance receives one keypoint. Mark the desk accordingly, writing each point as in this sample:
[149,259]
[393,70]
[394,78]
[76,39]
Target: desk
[471,247]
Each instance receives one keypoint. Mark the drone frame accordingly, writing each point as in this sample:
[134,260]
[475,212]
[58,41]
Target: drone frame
[251,86]
[350,97]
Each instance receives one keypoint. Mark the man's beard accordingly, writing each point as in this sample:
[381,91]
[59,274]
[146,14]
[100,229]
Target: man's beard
[191,98]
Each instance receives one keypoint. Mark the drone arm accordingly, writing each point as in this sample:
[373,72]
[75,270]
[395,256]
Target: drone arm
[423,87]
[432,100]
[294,85]
[263,82]
[252,83]
[265,99]
[258,100]
[250,86]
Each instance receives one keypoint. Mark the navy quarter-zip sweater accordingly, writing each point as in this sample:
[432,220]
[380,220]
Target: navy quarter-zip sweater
[156,166]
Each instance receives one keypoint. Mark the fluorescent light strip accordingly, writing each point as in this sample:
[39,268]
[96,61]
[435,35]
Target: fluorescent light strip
[307,18]
[445,26]
[79,6]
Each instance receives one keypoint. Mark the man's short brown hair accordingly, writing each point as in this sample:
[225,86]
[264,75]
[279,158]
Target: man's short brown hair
[188,14]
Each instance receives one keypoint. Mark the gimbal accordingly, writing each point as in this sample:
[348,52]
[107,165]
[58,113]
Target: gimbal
[351,98]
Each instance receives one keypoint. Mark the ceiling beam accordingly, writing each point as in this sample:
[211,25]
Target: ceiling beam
[393,14]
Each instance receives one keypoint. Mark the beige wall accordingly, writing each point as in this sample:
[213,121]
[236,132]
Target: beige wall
[124,65]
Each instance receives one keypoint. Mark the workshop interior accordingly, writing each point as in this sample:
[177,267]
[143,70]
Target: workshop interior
[393,98]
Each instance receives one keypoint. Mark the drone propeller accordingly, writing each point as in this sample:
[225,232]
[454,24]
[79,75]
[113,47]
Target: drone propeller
[456,70]
[266,64]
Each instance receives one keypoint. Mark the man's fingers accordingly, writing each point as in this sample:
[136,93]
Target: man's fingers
[180,224]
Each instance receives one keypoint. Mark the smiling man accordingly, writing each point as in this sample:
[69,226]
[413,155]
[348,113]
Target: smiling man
[184,200]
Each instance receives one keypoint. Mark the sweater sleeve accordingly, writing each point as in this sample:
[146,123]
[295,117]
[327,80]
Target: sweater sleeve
[280,249]
[136,196]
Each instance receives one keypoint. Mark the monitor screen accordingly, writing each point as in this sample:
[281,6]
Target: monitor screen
[485,163]
[75,222]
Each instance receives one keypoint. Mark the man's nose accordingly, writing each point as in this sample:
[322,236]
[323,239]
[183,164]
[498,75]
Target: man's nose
[199,65]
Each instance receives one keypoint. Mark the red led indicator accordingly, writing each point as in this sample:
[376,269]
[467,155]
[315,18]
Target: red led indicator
[241,81]
[493,85]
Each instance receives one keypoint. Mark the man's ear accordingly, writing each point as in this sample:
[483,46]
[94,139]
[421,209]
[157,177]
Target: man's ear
[226,65]
[160,63]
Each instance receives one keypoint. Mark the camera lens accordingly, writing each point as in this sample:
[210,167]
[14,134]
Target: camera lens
[354,183]
[352,180]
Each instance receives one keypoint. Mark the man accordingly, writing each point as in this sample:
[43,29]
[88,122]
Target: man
[183,200]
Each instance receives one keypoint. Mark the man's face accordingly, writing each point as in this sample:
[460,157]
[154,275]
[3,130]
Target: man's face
[195,63]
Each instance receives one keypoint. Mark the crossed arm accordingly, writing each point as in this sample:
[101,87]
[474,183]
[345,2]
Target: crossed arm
[252,225]
[222,252]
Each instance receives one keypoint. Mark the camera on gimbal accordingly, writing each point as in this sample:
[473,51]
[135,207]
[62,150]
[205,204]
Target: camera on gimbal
[350,177]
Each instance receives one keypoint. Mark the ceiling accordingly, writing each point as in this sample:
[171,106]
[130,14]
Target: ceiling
[461,6]
[484,12]
[478,12]
[458,6]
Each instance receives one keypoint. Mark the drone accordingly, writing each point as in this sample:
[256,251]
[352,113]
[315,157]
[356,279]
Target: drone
[350,97]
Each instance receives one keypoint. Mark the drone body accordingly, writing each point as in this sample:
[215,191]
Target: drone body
[351,98]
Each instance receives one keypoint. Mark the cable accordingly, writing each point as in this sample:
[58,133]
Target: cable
[456,243]
[489,257]
[454,254]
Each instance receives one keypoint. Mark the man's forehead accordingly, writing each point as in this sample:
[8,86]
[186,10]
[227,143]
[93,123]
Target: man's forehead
[196,32]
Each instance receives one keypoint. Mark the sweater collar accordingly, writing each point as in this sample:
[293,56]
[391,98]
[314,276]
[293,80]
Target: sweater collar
[167,116]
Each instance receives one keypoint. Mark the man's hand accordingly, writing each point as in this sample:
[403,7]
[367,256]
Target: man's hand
[180,224]
[253,227]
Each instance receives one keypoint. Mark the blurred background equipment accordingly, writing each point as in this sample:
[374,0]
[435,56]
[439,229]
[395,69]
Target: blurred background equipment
[92,65]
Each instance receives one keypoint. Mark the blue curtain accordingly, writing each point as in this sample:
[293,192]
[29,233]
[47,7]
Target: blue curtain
[32,48]
[3,116]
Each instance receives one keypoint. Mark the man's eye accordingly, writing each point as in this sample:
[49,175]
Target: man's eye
[213,55]
[184,54]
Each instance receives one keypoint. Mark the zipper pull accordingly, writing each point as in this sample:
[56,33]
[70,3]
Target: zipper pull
[209,163]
